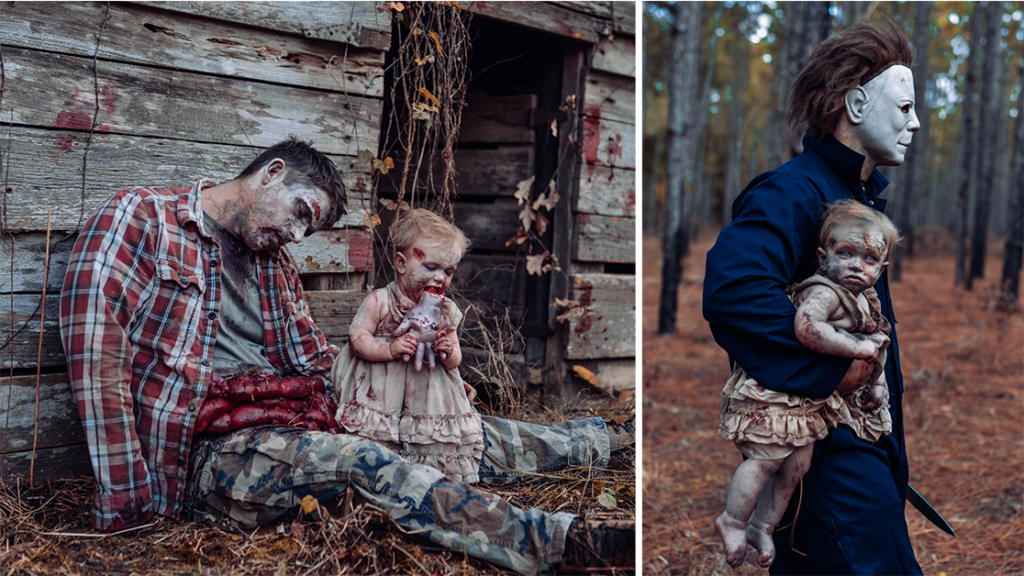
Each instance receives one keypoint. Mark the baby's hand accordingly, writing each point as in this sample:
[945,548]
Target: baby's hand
[443,345]
[403,346]
[874,396]
[867,350]
[470,391]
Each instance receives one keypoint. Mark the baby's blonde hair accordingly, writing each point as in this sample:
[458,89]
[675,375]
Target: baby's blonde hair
[413,224]
[848,211]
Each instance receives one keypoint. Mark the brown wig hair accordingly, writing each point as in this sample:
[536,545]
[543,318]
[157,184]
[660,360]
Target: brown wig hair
[840,64]
[848,211]
[305,165]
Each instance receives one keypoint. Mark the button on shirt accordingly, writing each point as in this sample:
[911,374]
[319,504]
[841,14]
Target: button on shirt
[139,319]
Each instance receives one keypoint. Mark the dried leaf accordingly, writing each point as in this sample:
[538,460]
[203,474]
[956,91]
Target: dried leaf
[547,200]
[420,111]
[371,221]
[523,190]
[554,128]
[569,105]
[392,205]
[417,31]
[542,223]
[519,238]
[588,376]
[608,500]
[535,263]
[527,216]
[383,165]
[454,5]
[565,303]
[568,315]
[422,61]
[430,96]
[397,6]
[309,504]
[436,42]
[365,156]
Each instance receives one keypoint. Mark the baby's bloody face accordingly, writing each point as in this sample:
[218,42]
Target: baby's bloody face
[428,265]
[854,257]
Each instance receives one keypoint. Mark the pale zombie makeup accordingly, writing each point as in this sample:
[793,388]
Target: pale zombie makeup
[890,120]
[427,265]
[854,257]
[283,214]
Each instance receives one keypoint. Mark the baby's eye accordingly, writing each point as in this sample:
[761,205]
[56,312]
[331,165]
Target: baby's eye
[870,259]
[430,267]
[844,254]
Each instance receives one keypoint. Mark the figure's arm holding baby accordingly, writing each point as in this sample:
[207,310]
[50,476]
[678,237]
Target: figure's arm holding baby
[360,336]
[816,317]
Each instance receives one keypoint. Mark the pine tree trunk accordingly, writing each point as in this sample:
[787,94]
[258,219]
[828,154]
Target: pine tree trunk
[991,91]
[683,64]
[1013,251]
[966,154]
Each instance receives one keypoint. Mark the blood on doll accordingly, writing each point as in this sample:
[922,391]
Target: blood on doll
[422,321]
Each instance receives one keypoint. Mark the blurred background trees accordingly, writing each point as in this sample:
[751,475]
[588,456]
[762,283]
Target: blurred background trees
[956,190]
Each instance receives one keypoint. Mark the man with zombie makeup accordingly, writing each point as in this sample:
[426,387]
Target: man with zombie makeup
[201,379]
[856,96]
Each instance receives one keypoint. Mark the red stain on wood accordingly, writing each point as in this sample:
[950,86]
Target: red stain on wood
[585,324]
[72,120]
[360,252]
[66,142]
[591,139]
[585,293]
[108,98]
[615,148]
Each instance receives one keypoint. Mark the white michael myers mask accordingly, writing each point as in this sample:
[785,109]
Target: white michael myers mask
[882,116]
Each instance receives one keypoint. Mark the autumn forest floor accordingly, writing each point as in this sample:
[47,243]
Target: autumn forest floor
[963,368]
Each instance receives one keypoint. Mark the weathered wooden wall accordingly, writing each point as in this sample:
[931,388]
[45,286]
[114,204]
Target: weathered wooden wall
[170,92]
[601,338]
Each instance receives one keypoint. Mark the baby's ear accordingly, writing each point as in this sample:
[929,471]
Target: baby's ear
[885,265]
[400,262]
[821,256]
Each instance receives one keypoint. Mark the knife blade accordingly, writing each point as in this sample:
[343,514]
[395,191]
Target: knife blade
[922,505]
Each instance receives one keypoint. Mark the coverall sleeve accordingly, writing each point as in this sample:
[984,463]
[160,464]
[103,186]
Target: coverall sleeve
[774,229]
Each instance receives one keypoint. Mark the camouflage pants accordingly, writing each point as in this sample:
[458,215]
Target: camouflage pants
[260,475]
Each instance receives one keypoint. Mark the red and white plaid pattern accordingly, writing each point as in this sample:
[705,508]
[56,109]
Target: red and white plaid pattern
[140,308]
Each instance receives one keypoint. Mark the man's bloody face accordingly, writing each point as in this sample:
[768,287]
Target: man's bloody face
[284,213]
[891,121]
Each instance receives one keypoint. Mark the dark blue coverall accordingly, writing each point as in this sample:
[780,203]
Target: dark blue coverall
[851,518]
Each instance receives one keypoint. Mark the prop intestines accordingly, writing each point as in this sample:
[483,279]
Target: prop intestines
[423,322]
[248,400]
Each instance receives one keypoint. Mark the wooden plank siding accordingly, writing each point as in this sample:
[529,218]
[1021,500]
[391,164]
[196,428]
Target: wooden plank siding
[362,24]
[156,37]
[45,171]
[53,90]
[607,327]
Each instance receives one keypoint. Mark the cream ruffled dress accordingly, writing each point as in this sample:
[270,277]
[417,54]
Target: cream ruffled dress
[424,416]
[767,424]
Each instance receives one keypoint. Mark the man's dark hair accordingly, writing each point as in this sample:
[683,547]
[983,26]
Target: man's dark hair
[840,64]
[305,165]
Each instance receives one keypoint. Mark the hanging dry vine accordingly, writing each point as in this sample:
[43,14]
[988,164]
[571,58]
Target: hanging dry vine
[428,90]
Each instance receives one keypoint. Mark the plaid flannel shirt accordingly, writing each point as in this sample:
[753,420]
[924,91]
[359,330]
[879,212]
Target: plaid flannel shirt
[139,313]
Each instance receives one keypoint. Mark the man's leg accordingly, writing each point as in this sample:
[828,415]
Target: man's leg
[256,476]
[515,450]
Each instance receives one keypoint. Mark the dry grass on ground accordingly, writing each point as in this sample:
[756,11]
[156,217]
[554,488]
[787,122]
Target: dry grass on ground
[963,368]
[47,531]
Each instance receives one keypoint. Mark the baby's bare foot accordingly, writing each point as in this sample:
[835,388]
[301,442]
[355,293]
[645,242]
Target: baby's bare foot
[759,535]
[734,538]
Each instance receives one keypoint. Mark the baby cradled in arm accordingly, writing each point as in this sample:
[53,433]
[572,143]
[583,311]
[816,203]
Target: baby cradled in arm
[838,313]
